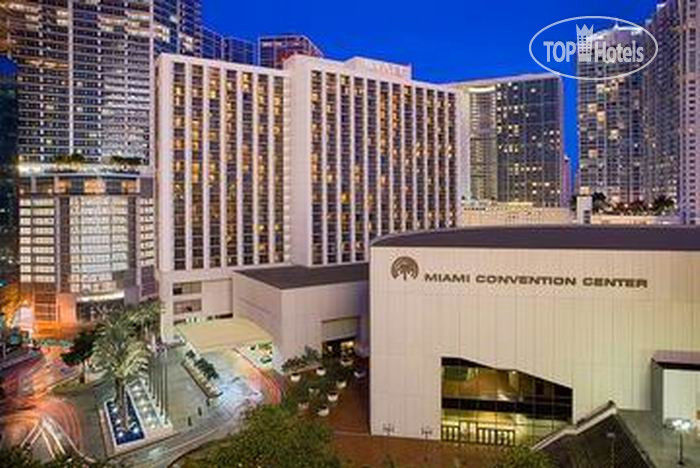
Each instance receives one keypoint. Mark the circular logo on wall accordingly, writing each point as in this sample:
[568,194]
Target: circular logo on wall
[406,267]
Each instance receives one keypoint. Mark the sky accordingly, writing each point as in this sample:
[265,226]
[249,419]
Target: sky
[444,41]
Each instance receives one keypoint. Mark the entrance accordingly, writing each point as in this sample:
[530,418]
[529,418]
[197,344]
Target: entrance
[490,406]
[471,432]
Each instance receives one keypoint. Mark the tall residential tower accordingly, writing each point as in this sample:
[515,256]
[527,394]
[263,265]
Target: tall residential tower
[611,139]
[513,138]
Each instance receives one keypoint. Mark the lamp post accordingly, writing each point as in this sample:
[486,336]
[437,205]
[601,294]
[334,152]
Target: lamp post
[681,426]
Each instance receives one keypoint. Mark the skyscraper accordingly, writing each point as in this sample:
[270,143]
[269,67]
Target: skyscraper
[223,178]
[8,150]
[177,27]
[231,49]
[671,124]
[481,170]
[610,126]
[274,50]
[514,138]
[84,86]
[304,165]
[373,152]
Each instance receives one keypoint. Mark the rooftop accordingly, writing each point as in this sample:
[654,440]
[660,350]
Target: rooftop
[295,276]
[579,237]
[682,360]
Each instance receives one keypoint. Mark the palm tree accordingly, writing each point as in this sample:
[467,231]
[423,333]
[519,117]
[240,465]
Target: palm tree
[145,317]
[121,355]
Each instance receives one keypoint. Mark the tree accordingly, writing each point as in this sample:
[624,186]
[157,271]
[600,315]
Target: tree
[600,202]
[524,457]
[275,436]
[80,351]
[121,355]
[145,317]
[663,205]
[10,300]
[17,457]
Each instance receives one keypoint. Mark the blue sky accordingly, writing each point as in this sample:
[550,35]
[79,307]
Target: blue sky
[443,41]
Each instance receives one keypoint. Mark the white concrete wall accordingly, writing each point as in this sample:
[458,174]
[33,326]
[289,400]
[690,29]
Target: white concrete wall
[681,394]
[598,341]
[306,308]
[216,296]
[260,303]
[293,316]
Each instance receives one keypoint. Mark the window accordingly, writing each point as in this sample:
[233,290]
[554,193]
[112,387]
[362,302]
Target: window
[187,307]
[180,289]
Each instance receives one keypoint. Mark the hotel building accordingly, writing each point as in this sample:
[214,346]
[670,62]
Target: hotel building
[513,139]
[87,239]
[306,166]
[223,177]
[373,153]
[274,50]
[611,138]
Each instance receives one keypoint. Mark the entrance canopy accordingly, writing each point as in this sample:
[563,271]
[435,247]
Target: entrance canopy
[216,335]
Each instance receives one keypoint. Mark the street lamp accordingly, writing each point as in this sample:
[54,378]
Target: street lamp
[681,426]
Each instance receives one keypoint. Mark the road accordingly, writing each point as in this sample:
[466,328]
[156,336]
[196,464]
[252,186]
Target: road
[28,405]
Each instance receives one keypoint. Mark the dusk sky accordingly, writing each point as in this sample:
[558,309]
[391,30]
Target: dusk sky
[443,41]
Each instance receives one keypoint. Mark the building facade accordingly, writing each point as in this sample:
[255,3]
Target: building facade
[307,165]
[87,240]
[231,49]
[670,103]
[508,333]
[222,171]
[274,50]
[8,152]
[513,138]
[610,126]
[373,153]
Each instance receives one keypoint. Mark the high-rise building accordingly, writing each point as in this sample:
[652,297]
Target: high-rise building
[77,93]
[86,240]
[306,165]
[85,112]
[671,123]
[231,49]
[177,27]
[223,175]
[274,50]
[513,138]
[8,151]
[373,153]
[480,172]
[610,126]
[85,71]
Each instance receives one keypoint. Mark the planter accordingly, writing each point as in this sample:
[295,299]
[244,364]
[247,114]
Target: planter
[346,362]
[359,374]
[321,371]
[295,377]
[303,405]
[323,411]
[332,397]
[341,384]
[313,391]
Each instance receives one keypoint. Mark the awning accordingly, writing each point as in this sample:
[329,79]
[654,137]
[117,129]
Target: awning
[215,335]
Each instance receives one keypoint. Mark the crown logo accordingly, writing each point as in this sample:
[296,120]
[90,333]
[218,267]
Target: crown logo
[584,31]
[584,42]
